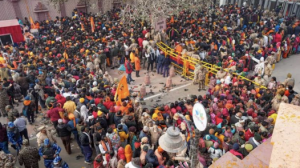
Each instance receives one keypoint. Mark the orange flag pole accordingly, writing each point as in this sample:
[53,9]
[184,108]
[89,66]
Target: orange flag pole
[92,24]
[32,23]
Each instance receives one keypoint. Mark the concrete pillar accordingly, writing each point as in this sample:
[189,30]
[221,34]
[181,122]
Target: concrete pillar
[62,10]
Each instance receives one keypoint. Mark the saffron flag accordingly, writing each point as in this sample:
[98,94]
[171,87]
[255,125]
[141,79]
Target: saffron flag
[92,24]
[122,90]
[172,19]
[32,23]
[82,27]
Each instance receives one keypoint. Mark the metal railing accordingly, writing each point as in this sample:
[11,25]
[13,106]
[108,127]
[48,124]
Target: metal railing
[185,64]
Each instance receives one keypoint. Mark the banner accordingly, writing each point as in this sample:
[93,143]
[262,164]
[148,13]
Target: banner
[160,24]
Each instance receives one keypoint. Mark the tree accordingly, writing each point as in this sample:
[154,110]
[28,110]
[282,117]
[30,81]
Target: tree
[151,10]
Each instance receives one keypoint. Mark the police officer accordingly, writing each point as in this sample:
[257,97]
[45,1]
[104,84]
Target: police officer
[49,152]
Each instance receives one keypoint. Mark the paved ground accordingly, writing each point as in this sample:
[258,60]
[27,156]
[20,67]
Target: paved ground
[289,65]
[181,89]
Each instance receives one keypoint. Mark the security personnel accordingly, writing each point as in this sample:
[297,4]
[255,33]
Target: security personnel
[49,152]
[59,163]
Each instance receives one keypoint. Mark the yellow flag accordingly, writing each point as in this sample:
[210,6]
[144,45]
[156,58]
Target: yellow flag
[32,23]
[92,24]
[122,90]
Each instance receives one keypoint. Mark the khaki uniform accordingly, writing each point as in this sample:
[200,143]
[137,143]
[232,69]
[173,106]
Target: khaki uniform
[41,137]
[201,78]
[268,70]
[221,75]
[289,82]
[296,101]
[108,78]
[260,81]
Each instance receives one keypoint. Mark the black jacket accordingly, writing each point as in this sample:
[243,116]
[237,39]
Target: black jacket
[130,123]
[102,122]
[84,139]
[63,130]
[3,135]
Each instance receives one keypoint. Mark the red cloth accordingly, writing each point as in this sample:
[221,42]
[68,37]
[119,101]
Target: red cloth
[140,41]
[127,66]
[97,101]
[144,32]
[248,135]
[95,114]
[53,114]
[15,31]
[76,77]
[278,38]
[218,120]
[121,154]
[178,108]
[235,153]
[108,104]
[60,99]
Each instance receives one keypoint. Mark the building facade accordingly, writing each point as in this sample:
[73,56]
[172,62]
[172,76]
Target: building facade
[289,7]
[41,10]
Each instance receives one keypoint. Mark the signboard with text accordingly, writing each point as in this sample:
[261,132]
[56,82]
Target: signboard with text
[161,24]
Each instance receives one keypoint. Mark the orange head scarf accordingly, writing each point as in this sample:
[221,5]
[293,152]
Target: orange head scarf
[72,117]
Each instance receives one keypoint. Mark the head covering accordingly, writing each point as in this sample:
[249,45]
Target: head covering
[132,129]
[183,126]
[236,146]
[27,98]
[248,147]
[136,162]
[46,142]
[176,116]
[10,124]
[145,148]
[146,129]
[60,121]
[216,144]
[56,160]
[257,137]
[99,113]
[144,140]
[149,165]
[187,117]
[25,142]
[72,117]
[160,150]
[41,128]
[81,100]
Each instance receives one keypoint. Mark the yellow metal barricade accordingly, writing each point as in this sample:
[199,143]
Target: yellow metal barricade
[188,61]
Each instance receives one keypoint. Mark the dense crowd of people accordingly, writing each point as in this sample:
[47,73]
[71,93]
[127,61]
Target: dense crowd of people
[62,71]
